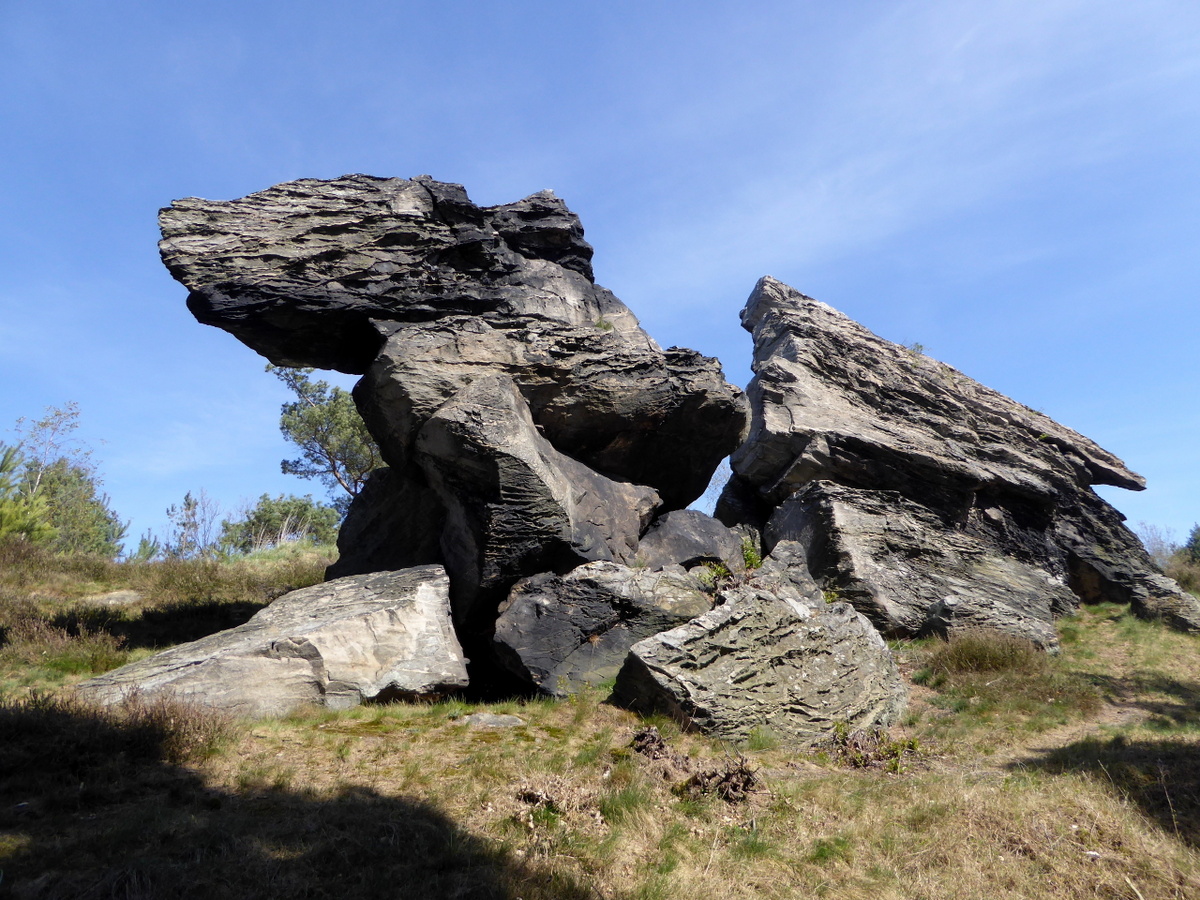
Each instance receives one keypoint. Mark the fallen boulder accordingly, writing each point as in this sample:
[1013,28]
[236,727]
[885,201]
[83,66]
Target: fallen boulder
[561,632]
[766,661]
[370,637]
[515,504]
[689,538]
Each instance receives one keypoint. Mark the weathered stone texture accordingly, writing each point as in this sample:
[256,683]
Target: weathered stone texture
[561,632]
[380,636]
[765,661]
[966,508]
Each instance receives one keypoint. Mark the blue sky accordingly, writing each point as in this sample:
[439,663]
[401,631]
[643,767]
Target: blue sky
[1011,184]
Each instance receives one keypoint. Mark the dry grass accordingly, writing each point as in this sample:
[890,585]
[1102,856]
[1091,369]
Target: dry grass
[1019,776]
[56,627]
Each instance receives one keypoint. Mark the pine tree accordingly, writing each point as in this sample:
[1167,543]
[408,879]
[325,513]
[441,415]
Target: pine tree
[335,446]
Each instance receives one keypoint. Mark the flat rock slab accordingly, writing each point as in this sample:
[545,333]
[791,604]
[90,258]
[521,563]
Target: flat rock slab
[761,661]
[114,598]
[369,637]
[491,720]
[562,632]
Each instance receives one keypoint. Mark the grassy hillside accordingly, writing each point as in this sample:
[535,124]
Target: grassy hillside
[1013,775]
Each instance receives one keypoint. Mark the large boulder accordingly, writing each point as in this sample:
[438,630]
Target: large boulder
[768,659]
[561,632]
[689,538]
[991,501]
[316,273]
[910,575]
[371,637]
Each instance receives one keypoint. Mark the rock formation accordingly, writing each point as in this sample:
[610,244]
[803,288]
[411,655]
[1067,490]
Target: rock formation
[542,447]
[335,644]
[924,498]
[520,407]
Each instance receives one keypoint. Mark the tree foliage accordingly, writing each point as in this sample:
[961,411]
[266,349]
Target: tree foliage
[1191,550]
[193,528]
[279,520]
[59,477]
[21,516]
[335,446]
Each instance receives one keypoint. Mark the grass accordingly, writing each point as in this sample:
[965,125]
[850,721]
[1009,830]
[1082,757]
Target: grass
[56,626]
[1016,775]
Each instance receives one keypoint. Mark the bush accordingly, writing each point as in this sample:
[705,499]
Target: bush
[976,650]
[280,520]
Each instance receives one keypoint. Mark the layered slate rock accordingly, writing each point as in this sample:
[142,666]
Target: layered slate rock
[983,504]
[395,522]
[561,632]
[613,401]
[370,637]
[515,504]
[331,273]
[769,658]
[898,564]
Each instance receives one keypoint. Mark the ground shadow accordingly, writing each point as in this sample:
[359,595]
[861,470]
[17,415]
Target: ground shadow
[1161,776]
[89,809]
[162,626]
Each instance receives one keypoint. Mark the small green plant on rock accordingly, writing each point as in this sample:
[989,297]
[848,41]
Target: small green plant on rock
[751,555]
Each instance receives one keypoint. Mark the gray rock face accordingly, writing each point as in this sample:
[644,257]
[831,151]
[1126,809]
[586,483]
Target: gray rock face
[983,504]
[309,273]
[325,273]
[688,537]
[336,644]
[395,522]
[763,660]
[514,503]
[561,632]
[611,400]
[910,575]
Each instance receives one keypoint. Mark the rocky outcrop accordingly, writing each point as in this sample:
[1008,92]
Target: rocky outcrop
[927,499]
[371,637]
[528,422]
[909,574]
[768,658]
[515,504]
[561,632]
[331,273]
